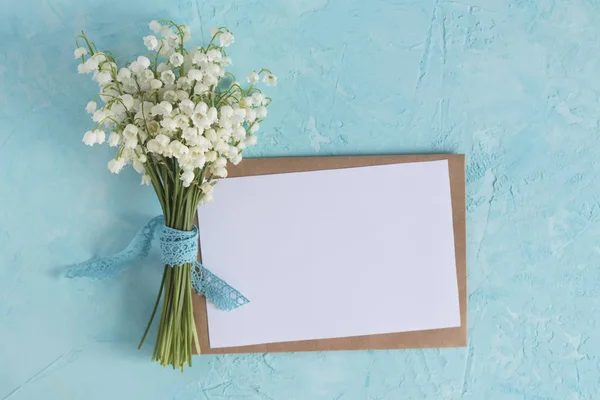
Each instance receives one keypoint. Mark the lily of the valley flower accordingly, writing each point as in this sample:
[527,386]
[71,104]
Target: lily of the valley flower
[253,77]
[155,26]
[270,80]
[187,177]
[151,42]
[91,107]
[226,39]
[80,52]
[146,180]
[176,59]
[114,139]
[116,165]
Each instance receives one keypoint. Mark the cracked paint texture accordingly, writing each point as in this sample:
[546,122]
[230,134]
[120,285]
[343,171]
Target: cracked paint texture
[513,84]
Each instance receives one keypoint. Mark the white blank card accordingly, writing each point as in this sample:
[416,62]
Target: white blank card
[332,253]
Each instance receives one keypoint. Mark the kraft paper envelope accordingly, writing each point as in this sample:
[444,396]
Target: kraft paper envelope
[448,337]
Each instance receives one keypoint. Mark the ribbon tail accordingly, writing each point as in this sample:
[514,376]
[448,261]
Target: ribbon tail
[108,267]
[216,290]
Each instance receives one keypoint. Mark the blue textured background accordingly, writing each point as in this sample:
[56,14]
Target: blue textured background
[514,84]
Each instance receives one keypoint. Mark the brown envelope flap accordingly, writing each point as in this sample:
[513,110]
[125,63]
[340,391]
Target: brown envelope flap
[449,337]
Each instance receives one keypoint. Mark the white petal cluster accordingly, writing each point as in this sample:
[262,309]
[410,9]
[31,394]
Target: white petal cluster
[177,107]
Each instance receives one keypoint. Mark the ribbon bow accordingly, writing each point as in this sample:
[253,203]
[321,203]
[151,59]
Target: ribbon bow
[177,248]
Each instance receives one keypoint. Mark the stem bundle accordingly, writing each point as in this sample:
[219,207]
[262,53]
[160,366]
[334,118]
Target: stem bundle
[177,334]
[177,337]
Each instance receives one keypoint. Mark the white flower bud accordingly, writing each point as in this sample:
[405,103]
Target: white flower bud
[184,83]
[163,140]
[116,165]
[226,112]
[114,139]
[155,84]
[236,159]
[250,140]
[162,67]
[182,95]
[168,77]
[127,100]
[211,114]
[91,64]
[206,199]
[226,39]
[261,112]
[258,99]
[131,143]
[211,135]
[239,133]
[199,58]
[253,77]
[89,138]
[146,180]
[169,124]
[213,55]
[124,75]
[211,156]
[177,149]
[176,59]
[220,162]
[195,74]
[144,62]
[200,88]
[80,52]
[207,188]
[220,172]
[91,107]
[187,177]
[270,80]
[139,167]
[130,130]
[221,147]
[250,115]
[83,68]
[103,78]
[151,43]
[187,34]
[201,108]
[155,26]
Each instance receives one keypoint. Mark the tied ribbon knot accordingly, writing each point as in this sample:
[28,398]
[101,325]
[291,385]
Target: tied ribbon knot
[176,248]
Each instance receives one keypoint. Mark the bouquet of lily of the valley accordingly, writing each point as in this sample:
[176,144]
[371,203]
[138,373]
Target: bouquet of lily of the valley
[178,118]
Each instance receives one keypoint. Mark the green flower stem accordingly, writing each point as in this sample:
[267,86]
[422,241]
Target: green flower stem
[162,285]
[176,337]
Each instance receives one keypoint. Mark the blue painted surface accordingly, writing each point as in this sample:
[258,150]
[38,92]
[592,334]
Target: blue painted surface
[514,84]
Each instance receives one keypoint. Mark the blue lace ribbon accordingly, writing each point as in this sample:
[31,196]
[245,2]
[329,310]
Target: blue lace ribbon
[177,248]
